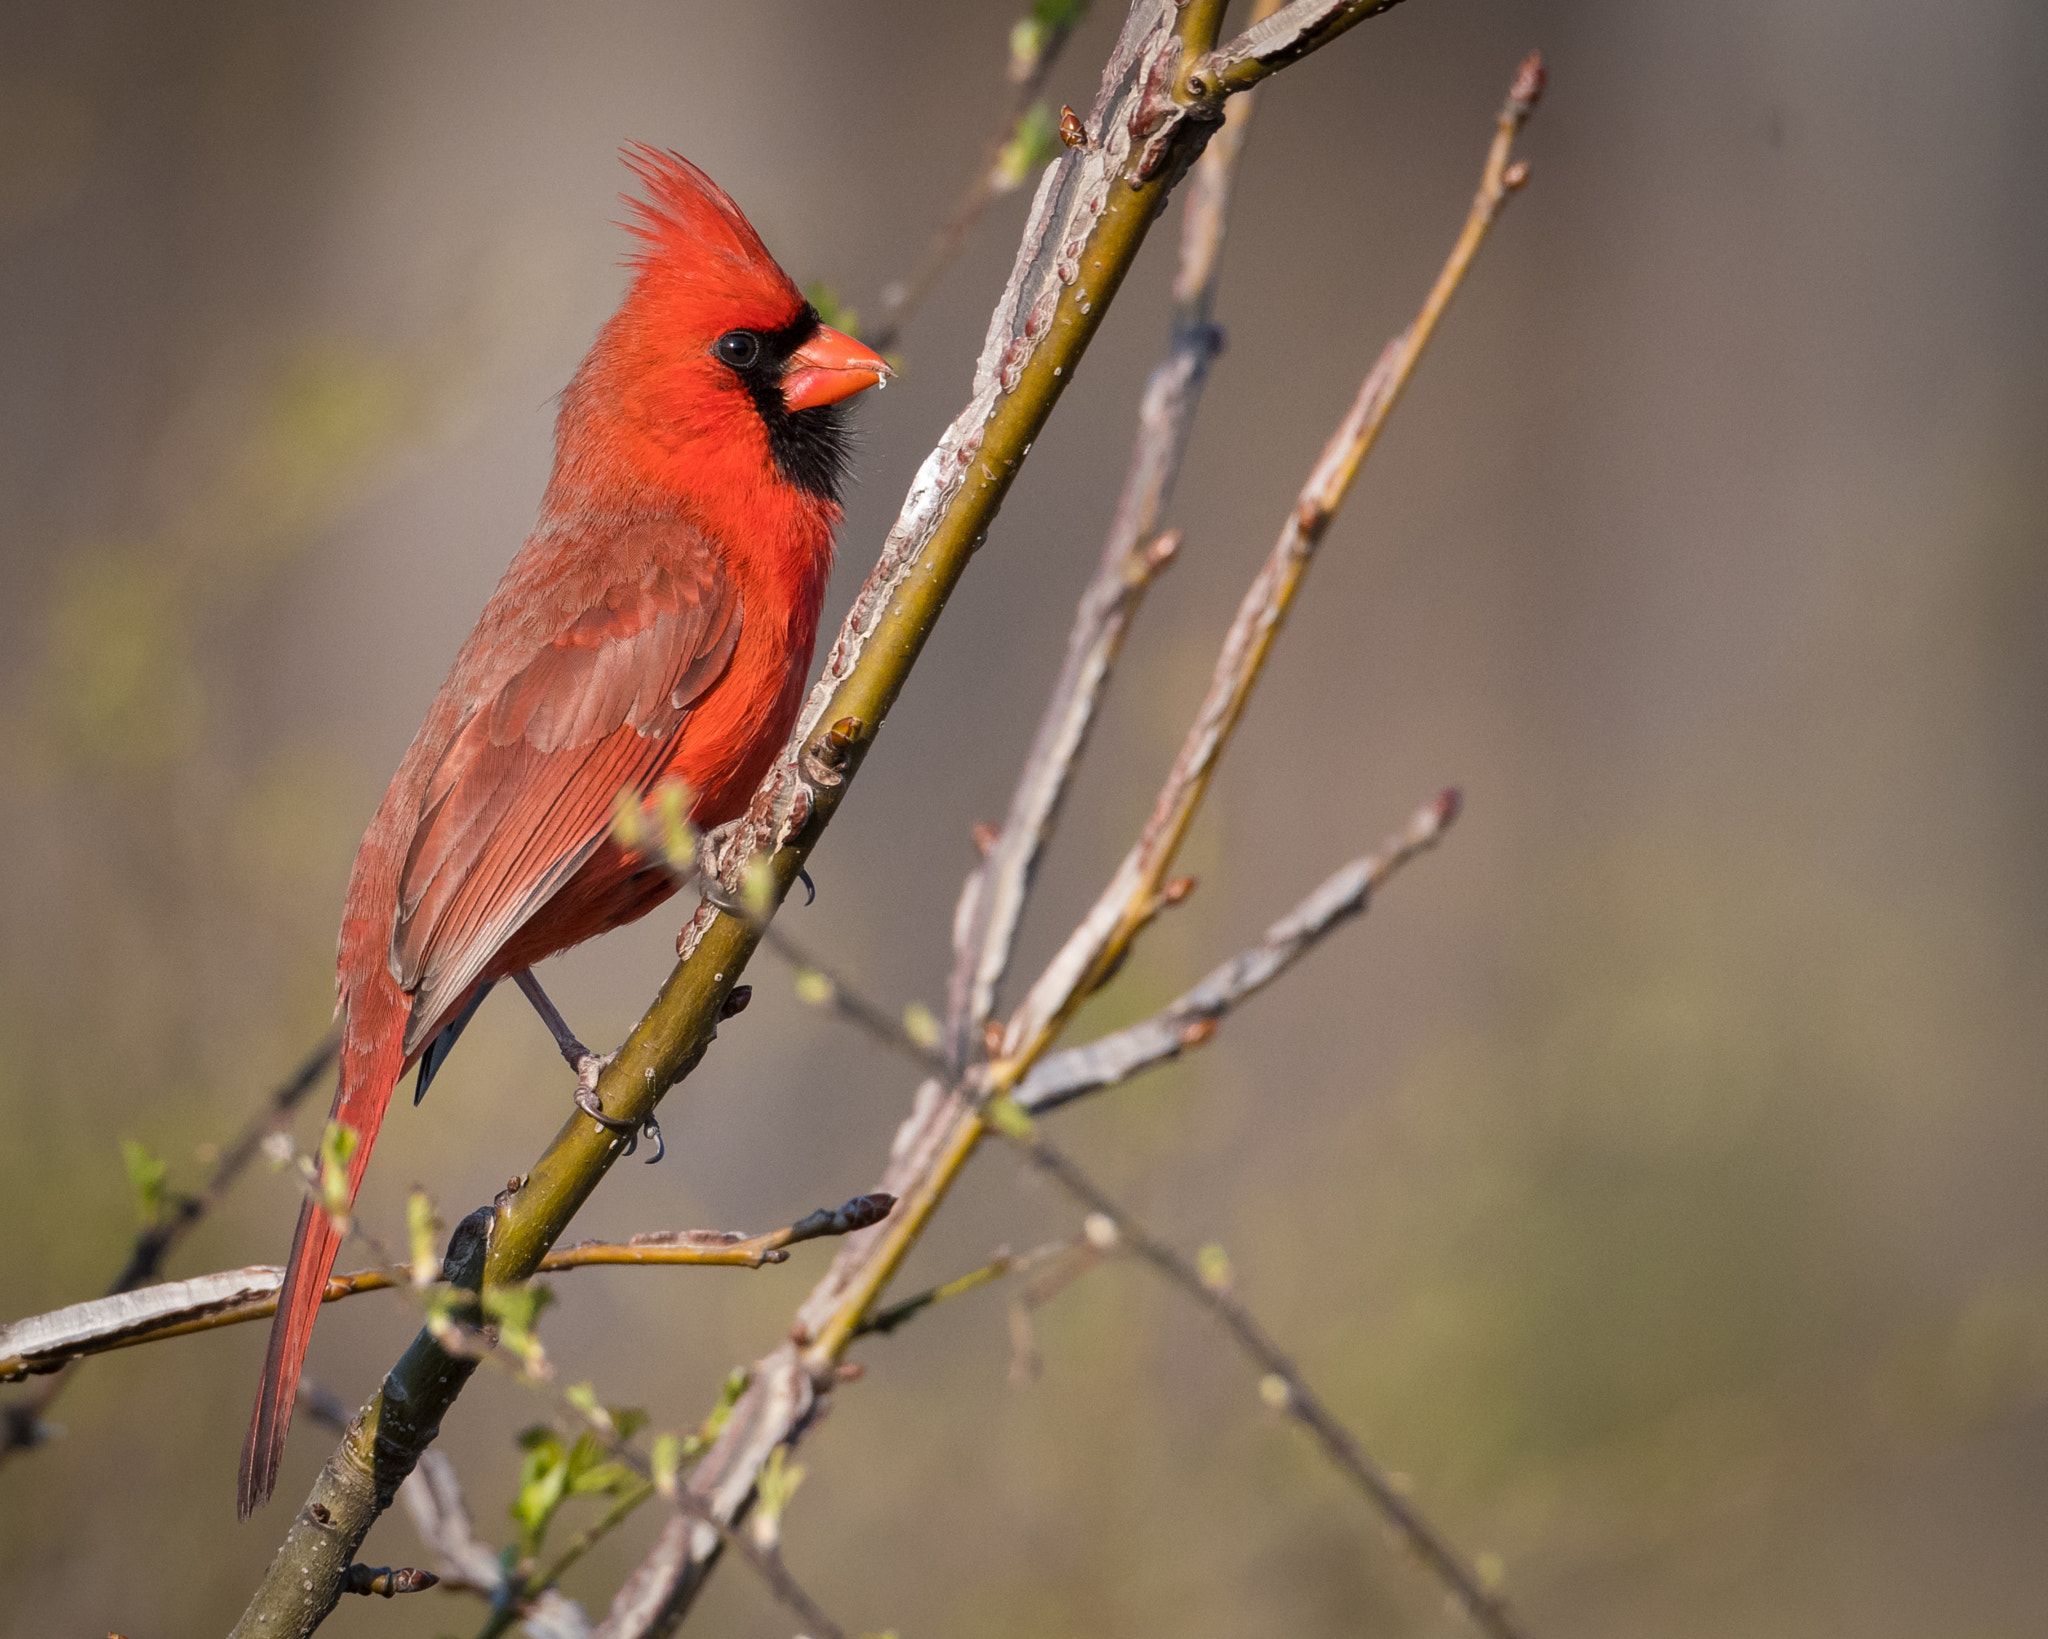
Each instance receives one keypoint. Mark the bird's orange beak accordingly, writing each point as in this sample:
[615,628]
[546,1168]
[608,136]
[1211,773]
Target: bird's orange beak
[829,367]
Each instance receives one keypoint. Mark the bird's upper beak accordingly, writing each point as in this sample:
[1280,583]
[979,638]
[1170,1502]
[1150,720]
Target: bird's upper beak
[829,367]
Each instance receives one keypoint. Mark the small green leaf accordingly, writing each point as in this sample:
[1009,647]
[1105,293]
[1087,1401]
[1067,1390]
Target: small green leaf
[1036,140]
[832,309]
[1003,1115]
[629,822]
[423,1228]
[1213,1264]
[729,1393]
[337,1144]
[672,799]
[602,1479]
[584,1398]
[777,1484]
[628,1420]
[516,1309]
[814,988]
[758,889]
[921,1025]
[543,1483]
[1059,13]
[146,1179]
[666,1464]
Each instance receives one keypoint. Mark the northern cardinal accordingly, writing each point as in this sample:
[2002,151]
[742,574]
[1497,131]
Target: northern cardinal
[656,625]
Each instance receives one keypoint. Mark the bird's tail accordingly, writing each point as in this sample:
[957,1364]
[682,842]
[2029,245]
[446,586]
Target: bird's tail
[372,1059]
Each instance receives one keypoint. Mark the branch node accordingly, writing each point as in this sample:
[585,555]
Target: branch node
[1152,557]
[825,760]
[384,1581]
[1527,90]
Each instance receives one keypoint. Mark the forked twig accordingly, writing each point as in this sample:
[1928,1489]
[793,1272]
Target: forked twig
[1133,555]
[948,1120]
[52,1342]
[1191,1019]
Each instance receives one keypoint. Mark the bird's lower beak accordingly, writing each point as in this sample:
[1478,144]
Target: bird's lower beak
[829,367]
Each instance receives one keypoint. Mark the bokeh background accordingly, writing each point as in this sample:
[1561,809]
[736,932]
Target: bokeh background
[1656,1176]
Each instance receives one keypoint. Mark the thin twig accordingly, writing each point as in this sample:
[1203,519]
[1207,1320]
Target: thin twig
[44,1343]
[1271,44]
[1133,554]
[1191,1019]
[823,986]
[1091,214]
[1485,1605]
[23,1423]
[1036,40]
[884,1321]
[1133,896]
[473,1343]
[932,1146]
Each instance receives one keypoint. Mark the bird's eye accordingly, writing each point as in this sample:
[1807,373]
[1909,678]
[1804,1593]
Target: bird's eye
[739,348]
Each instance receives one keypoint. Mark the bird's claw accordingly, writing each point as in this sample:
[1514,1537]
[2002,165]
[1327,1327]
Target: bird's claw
[588,1069]
[721,898]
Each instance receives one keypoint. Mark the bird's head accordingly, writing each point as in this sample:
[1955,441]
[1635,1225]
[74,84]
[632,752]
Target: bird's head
[716,366]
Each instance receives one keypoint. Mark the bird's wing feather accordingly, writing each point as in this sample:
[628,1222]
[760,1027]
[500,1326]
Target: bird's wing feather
[525,790]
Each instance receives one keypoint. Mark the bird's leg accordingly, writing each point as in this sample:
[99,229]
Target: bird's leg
[588,1067]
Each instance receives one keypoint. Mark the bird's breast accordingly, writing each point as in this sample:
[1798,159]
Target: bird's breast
[737,727]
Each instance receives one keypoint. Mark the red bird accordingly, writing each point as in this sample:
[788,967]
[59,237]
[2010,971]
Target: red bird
[656,625]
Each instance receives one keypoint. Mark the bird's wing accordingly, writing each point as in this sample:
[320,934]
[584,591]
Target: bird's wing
[526,789]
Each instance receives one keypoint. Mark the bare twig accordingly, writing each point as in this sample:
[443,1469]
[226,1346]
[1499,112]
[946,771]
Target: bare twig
[473,1343]
[1286,1390]
[884,1321]
[946,1124]
[1190,1020]
[1092,212]
[44,1343]
[824,986]
[1270,44]
[1132,896]
[22,1423]
[992,902]
[1036,40]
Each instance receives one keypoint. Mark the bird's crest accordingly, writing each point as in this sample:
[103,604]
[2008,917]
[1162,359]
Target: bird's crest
[690,229]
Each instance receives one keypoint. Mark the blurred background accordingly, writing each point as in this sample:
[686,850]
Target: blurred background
[1655,1176]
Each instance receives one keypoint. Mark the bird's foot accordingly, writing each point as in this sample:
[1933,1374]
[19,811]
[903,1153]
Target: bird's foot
[721,898]
[588,1068]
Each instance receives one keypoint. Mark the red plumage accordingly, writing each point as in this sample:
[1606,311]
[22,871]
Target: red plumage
[657,624]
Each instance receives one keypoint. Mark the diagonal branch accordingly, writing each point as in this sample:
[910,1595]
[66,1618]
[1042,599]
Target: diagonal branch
[1270,44]
[822,986]
[51,1342]
[1132,896]
[992,902]
[947,1122]
[1092,212]
[1287,1390]
[1190,1020]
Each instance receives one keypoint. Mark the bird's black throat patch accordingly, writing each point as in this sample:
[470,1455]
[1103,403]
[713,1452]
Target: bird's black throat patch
[810,447]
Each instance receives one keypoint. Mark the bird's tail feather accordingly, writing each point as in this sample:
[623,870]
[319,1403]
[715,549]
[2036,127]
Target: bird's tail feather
[372,1059]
